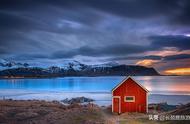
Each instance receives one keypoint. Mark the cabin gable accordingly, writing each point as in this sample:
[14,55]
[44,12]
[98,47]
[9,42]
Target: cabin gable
[128,86]
[127,80]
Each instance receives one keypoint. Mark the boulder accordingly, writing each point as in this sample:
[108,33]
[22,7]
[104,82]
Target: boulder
[77,100]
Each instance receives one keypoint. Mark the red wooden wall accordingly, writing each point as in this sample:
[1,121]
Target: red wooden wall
[130,88]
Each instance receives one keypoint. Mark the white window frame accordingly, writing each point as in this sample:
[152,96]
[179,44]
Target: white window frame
[125,100]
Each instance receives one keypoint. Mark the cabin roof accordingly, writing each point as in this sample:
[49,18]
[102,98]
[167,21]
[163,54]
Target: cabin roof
[127,78]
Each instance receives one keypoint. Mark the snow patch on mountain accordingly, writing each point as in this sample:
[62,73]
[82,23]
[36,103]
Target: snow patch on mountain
[5,64]
[72,65]
[109,64]
[66,65]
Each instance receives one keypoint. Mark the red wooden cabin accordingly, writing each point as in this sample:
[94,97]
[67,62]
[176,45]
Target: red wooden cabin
[129,96]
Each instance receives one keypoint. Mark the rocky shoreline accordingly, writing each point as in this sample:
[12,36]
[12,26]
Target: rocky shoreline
[77,100]
[54,112]
[43,112]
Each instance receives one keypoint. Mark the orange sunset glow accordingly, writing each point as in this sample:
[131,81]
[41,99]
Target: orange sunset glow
[178,71]
[146,62]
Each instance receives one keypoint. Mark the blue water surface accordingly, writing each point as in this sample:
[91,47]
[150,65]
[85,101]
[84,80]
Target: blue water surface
[167,88]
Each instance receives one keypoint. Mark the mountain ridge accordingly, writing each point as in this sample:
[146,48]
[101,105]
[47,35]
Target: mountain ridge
[74,68]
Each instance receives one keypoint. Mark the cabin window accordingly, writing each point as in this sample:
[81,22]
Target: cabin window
[129,98]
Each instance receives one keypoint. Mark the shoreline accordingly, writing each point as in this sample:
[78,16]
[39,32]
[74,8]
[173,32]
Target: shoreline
[83,76]
[102,99]
[54,77]
[44,112]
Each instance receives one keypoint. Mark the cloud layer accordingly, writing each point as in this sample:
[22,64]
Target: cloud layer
[95,31]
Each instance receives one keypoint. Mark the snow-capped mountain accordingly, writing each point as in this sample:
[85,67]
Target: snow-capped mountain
[66,65]
[4,64]
[72,64]
[71,68]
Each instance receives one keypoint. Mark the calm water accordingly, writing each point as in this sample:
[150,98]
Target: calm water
[162,88]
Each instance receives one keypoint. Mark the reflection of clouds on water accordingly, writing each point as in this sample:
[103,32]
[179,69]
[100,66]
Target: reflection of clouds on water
[155,84]
[181,87]
[98,88]
[147,83]
[166,84]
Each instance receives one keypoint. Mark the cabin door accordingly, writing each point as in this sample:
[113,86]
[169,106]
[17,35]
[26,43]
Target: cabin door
[116,104]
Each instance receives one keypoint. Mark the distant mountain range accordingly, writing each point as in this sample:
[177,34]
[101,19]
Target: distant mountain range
[11,69]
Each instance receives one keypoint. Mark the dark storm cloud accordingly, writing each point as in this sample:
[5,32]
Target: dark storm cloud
[179,41]
[29,56]
[13,29]
[178,10]
[136,8]
[8,21]
[183,16]
[109,50]
[86,51]
[13,22]
[64,29]
[177,57]
[158,43]
[153,57]
[20,19]
[50,10]
[17,35]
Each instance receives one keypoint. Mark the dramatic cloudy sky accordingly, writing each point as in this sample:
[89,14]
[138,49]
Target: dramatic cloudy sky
[153,33]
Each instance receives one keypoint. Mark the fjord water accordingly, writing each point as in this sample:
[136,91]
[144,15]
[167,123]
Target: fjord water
[171,89]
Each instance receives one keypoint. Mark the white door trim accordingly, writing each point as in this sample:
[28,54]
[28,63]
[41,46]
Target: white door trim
[147,102]
[119,97]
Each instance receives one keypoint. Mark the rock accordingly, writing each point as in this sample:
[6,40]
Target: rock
[77,100]
[74,105]
[161,107]
[181,110]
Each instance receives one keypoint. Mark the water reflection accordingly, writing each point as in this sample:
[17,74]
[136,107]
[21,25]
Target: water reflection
[155,84]
[167,84]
